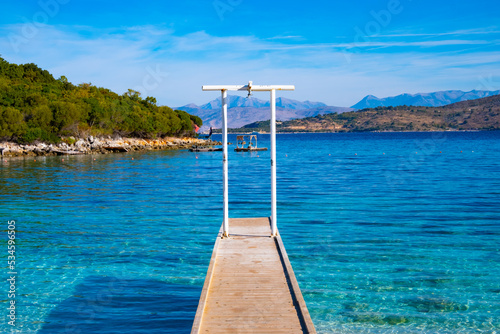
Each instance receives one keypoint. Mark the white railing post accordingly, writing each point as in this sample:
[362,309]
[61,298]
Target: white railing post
[225,164]
[274,223]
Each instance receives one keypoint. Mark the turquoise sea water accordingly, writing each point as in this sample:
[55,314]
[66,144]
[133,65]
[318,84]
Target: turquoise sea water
[387,232]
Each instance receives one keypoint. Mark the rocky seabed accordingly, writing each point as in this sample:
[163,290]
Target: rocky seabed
[94,145]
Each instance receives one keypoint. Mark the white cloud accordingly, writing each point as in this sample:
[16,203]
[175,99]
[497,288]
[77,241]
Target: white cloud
[128,58]
[463,32]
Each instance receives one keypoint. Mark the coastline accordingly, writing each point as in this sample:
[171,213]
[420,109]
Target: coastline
[357,132]
[94,145]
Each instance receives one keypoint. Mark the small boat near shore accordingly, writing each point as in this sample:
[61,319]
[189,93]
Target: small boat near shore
[61,152]
[115,148]
[205,149]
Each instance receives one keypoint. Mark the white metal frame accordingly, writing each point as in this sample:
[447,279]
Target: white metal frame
[257,88]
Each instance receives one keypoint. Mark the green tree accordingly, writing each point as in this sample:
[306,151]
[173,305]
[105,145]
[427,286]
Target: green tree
[196,120]
[139,122]
[66,115]
[11,122]
[133,95]
[149,101]
[40,117]
[186,124]
[96,113]
[173,120]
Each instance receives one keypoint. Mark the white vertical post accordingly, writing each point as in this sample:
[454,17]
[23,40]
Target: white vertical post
[273,163]
[224,164]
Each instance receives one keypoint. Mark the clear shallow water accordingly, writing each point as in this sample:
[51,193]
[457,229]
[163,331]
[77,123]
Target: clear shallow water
[401,242]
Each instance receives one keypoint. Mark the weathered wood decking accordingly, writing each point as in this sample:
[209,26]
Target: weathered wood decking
[250,286]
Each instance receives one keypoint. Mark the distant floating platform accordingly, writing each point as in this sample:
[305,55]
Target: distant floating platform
[250,149]
[248,143]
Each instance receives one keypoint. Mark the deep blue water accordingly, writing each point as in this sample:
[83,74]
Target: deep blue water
[387,232]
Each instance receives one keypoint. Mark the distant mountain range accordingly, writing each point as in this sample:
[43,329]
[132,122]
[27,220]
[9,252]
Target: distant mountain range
[436,99]
[239,101]
[478,114]
[243,110]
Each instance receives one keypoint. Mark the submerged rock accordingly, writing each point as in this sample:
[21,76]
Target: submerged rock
[428,304]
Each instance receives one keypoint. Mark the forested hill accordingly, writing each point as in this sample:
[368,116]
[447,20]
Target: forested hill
[479,114]
[35,106]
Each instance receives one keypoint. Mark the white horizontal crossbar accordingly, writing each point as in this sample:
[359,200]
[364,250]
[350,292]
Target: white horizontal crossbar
[256,88]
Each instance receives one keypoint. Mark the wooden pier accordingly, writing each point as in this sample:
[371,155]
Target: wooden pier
[250,286]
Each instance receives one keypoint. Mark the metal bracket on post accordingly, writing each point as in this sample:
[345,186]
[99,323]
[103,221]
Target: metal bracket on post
[249,88]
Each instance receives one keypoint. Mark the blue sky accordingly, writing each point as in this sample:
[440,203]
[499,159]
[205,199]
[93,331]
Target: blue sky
[332,51]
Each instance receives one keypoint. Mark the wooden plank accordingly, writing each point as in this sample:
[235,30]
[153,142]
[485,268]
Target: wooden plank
[206,285]
[295,286]
[250,286]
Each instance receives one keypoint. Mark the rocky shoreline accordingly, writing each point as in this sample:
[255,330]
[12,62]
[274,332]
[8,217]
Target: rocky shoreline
[94,145]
